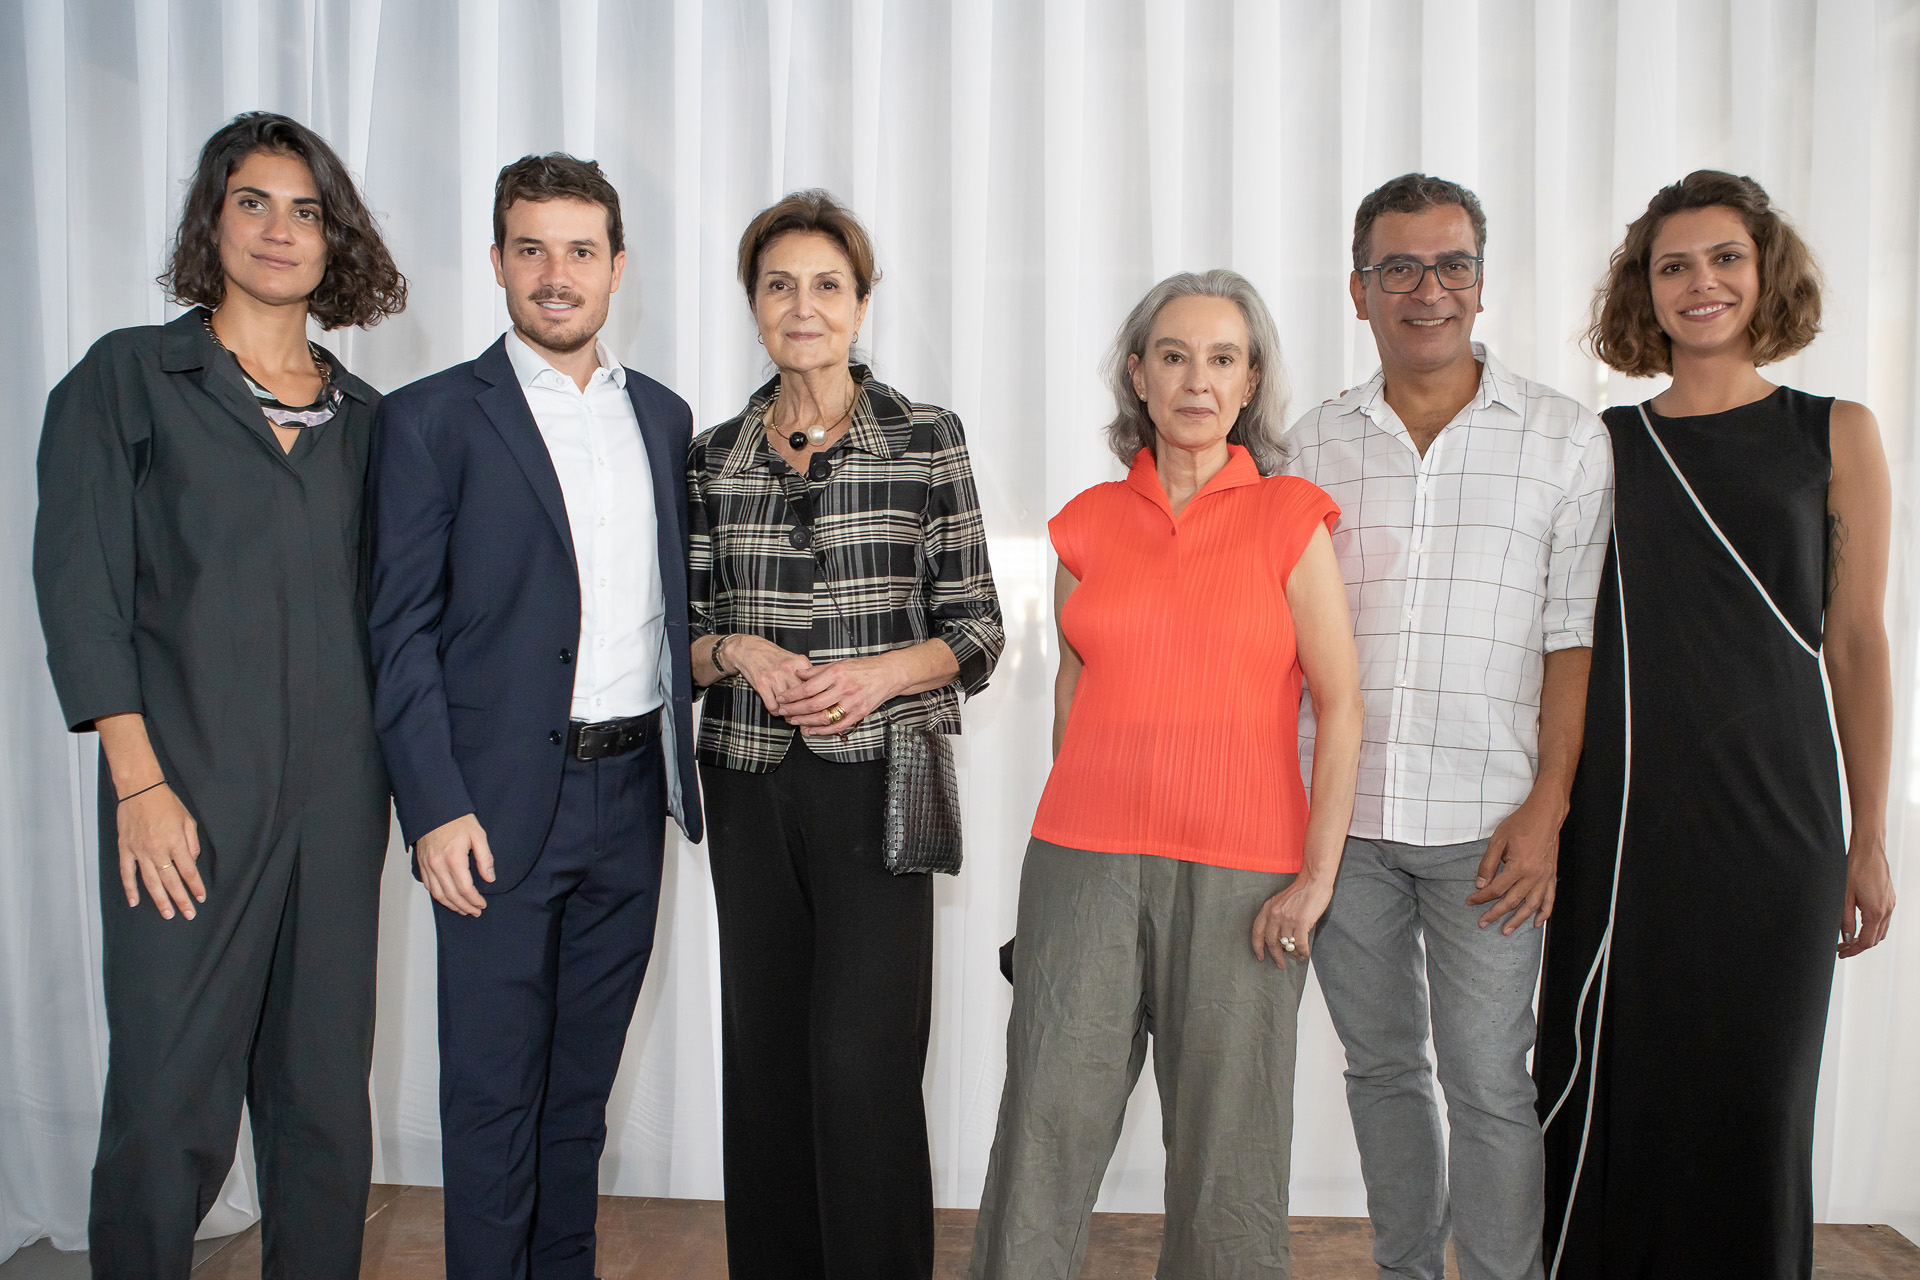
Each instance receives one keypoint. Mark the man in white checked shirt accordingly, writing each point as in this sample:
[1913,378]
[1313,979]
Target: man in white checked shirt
[1475,508]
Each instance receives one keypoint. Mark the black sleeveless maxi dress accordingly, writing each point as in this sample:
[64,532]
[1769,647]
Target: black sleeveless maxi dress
[1689,960]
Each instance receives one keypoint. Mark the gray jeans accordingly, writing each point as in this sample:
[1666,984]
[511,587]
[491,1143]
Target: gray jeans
[1475,993]
[1113,947]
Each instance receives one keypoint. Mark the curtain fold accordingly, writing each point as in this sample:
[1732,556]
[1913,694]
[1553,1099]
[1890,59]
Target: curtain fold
[1028,170]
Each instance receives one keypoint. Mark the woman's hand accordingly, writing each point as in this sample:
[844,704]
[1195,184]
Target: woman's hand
[159,845]
[1869,909]
[1291,914]
[771,670]
[855,685]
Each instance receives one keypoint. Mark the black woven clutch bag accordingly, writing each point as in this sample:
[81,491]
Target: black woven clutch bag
[923,802]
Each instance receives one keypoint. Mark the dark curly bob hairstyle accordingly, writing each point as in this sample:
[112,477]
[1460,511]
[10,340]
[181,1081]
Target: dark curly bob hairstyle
[1626,334]
[361,286]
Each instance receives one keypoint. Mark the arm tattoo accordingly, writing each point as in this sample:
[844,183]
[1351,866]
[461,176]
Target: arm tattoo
[1836,547]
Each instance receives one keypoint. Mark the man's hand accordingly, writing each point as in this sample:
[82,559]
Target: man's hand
[1523,856]
[442,854]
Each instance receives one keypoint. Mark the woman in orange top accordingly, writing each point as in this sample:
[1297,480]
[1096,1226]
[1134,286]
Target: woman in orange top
[1175,852]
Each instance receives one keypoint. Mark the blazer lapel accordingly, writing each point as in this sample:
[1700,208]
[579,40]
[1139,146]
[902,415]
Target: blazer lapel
[505,405]
[669,500]
[186,348]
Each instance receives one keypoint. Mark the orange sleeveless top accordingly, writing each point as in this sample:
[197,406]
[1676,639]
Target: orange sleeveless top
[1183,736]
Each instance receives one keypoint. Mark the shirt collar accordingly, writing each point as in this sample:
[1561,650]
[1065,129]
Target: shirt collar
[880,425]
[1144,477]
[533,370]
[185,346]
[1497,386]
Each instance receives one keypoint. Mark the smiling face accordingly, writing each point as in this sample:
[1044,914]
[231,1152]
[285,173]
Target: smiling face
[1432,327]
[804,302]
[1197,373]
[1704,275]
[273,243]
[557,271]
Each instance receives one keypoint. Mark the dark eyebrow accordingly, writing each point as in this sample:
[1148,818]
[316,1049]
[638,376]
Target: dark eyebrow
[1724,244]
[264,195]
[1446,256]
[536,241]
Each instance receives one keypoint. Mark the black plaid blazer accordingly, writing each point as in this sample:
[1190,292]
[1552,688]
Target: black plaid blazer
[883,551]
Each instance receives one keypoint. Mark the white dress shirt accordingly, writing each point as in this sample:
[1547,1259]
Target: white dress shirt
[594,441]
[1464,568]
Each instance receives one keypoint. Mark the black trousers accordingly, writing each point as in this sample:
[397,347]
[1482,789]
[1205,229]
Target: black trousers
[267,995]
[826,975]
[536,993]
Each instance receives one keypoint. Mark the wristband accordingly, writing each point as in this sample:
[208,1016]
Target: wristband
[714,657]
[142,791]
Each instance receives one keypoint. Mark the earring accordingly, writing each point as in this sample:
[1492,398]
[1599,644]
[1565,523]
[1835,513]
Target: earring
[760,338]
[856,337]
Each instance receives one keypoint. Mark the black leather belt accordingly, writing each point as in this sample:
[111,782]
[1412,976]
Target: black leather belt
[611,737]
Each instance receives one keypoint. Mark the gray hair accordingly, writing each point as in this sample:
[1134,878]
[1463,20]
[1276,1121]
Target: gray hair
[1413,193]
[1261,426]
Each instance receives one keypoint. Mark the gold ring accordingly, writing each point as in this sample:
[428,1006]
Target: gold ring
[836,713]
[166,866]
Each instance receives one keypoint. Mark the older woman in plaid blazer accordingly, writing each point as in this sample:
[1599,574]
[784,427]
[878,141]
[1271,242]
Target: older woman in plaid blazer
[839,583]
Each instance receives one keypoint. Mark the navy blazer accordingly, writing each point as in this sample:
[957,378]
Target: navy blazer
[476,605]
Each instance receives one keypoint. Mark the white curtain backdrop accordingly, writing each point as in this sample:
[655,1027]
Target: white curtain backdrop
[1028,168]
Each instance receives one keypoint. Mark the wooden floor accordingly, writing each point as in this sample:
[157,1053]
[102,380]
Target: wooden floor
[682,1239]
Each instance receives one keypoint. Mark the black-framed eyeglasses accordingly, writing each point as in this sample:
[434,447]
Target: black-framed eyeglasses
[1404,275]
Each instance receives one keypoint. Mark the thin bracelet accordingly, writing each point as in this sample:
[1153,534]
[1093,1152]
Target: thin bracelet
[714,657]
[142,791]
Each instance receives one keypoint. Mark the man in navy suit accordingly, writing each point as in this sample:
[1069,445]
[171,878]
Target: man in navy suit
[533,699]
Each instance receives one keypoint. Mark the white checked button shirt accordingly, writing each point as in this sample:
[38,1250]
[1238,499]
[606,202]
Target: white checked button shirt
[594,440]
[1464,568]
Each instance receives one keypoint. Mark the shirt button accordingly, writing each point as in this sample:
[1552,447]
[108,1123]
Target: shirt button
[799,537]
[556,737]
[566,656]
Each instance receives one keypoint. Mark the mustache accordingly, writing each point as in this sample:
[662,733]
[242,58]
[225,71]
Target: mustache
[554,293]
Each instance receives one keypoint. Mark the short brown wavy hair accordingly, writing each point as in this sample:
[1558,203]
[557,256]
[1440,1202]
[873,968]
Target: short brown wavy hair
[556,176]
[1625,333]
[361,285]
[811,210]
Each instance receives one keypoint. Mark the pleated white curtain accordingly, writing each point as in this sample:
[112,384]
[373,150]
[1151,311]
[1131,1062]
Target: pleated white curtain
[1028,168]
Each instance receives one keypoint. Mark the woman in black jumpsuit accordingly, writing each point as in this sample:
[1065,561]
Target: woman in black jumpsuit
[199,564]
[1704,871]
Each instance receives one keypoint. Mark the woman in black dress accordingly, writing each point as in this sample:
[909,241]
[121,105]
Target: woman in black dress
[198,560]
[1704,873]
